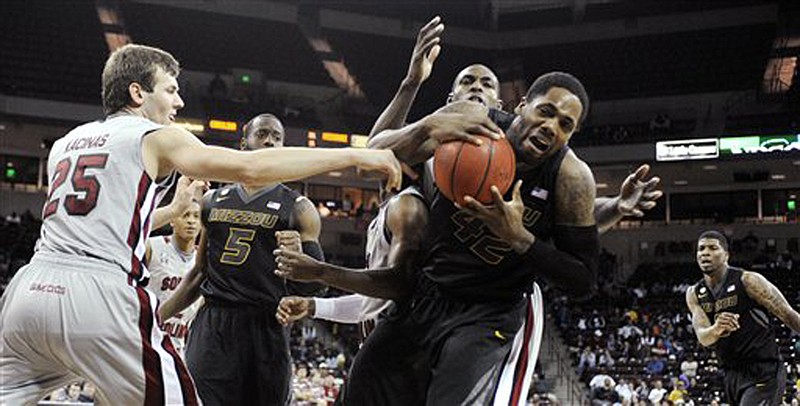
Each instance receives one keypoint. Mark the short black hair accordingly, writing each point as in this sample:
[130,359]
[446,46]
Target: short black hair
[715,235]
[544,83]
[262,115]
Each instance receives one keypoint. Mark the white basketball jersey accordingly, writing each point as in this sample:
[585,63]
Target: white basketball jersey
[101,198]
[377,250]
[167,268]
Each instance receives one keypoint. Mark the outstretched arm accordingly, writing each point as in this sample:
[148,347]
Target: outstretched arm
[173,148]
[767,295]
[406,220]
[189,289]
[635,195]
[426,50]
[707,333]
[415,143]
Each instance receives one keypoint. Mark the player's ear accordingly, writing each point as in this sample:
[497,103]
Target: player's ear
[136,93]
[521,105]
[450,97]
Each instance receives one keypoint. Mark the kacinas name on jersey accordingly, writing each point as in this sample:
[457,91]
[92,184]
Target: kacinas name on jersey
[243,217]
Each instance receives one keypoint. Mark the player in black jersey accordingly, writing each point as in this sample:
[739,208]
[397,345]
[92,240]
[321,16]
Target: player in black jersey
[740,303]
[237,352]
[476,84]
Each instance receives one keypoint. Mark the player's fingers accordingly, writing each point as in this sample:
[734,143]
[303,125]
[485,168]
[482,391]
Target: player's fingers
[494,130]
[430,33]
[466,137]
[434,53]
[517,194]
[428,45]
[641,172]
[497,197]
[654,195]
[475,207]
[430,24]
[646,205]
[637,213]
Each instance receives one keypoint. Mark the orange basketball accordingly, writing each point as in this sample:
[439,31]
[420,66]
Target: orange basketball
[462,168]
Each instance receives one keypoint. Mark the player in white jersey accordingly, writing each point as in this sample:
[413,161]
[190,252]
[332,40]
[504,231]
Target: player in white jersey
[80,307]
[169,258]
[387,244]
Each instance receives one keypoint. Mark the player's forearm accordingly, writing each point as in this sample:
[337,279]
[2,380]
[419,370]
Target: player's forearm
[187,293]
[395,114]
[342,309]
[707,336]
[606,213]
[290,164]
[572,263]
[384,283]
[405,142]
[162,216]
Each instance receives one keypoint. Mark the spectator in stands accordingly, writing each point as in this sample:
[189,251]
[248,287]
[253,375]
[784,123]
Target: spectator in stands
[625,391]
[689,366]
[679,393]
[605,394]
[658,392]
[587,361]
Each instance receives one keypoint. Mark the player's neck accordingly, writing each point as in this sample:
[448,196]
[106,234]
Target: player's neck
[715,278]
[251,190]
[182,245]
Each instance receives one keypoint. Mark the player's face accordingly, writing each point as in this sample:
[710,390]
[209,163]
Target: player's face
[711,255]
[477,83]
[545,124]
[162,104]
[187,226]
[264,132]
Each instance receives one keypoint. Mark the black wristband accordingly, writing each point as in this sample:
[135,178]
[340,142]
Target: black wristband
[313,250]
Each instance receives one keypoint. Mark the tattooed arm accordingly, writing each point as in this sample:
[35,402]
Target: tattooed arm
[708,333]
[572,263]
[767,295]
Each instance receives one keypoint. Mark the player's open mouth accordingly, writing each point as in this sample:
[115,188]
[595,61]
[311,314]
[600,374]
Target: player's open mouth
[171,117]
[477,99]
[538,144]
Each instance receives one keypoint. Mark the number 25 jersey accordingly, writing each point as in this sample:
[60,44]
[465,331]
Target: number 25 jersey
[100,198]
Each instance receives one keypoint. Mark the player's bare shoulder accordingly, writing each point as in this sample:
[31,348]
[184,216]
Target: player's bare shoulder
[575,192]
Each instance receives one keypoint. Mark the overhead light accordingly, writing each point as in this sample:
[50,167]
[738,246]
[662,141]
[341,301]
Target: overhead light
[602,185]
[335,174]
[709,167]
[681,182]
[778,176]
[796,163]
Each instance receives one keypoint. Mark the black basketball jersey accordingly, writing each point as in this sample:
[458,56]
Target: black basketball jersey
[465,259]
[240,232]
[754,341]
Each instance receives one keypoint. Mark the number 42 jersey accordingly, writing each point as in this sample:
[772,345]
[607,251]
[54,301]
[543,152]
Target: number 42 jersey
[100,198]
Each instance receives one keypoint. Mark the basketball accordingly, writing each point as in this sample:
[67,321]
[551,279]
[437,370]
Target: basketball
[461,168]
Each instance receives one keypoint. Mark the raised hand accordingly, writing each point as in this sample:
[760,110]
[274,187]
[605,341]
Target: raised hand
[293,308]
[637,194]
[426,50]
[187,191]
